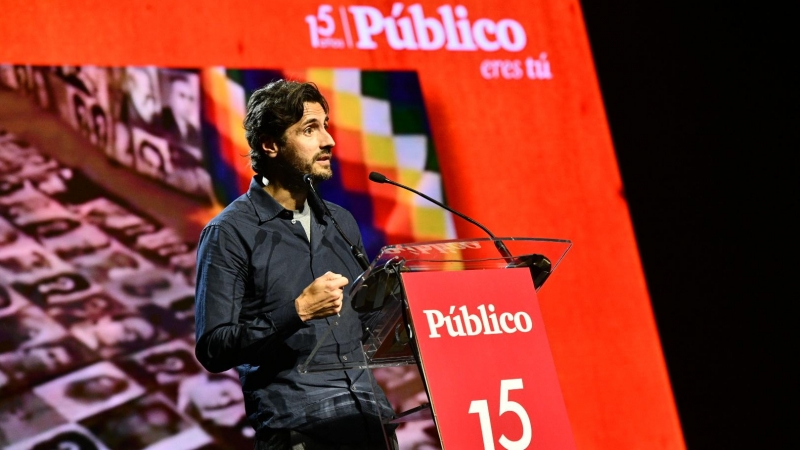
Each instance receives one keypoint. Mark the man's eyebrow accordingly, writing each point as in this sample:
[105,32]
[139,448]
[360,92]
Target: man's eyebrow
[311,120]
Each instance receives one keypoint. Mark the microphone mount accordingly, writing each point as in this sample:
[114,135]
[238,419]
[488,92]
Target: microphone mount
[357,253]
[501,247]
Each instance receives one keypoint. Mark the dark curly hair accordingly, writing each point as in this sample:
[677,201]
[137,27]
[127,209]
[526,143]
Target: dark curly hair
[271,110]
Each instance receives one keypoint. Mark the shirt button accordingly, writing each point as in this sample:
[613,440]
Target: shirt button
[344,357]
[294,220]
[353,388]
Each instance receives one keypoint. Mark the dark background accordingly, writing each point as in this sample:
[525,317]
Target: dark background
[703,112]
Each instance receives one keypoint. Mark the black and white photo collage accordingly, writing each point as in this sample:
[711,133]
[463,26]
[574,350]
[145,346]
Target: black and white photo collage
[145,118]
[96,313]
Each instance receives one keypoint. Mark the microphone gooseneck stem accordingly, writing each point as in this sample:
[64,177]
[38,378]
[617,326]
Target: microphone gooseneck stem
[357,253]
[501,247]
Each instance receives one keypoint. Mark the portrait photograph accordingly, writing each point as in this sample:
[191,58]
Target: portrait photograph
[117,333]
[113,262]
[25,415]
[154,286]
[86,309]
[34,365]
[115,219]
[28,327]
[88,391]
[55,289]
[163,367]
[65,437]
[147,422]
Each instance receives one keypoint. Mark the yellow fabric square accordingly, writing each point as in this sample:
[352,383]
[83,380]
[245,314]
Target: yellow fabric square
[323,78]
[429,223]
[379,151]
[348,110]
[409,177]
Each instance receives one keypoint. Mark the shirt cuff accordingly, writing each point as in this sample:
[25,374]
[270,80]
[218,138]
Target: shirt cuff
[285,318]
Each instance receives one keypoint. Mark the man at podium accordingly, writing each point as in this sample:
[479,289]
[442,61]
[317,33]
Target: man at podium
[272,270]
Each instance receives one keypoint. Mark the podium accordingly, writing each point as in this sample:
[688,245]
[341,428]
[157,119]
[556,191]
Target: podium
[467,314]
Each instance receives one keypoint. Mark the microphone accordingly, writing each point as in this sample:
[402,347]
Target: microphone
[358,254]
[501,247]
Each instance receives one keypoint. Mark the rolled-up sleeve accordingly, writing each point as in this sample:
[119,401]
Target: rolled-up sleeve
[222,340]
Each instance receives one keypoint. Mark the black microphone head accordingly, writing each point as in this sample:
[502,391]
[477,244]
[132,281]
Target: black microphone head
[377,177]
[307,179]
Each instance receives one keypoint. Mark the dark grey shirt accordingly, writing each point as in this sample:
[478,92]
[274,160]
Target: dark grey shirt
[252,263]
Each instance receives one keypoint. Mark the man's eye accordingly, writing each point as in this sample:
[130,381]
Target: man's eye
[307,130]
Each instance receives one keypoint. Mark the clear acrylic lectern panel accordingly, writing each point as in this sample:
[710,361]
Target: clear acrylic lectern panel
[378,294]
[470,254]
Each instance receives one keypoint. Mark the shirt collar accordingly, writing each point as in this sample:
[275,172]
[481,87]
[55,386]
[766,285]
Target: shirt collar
[267,208]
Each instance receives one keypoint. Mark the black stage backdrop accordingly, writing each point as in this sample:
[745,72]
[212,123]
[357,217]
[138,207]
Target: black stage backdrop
[703,112]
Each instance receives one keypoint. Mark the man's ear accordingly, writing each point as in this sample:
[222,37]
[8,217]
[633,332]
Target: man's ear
[270,148]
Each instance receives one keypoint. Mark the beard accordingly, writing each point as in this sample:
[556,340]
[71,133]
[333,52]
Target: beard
[288,169]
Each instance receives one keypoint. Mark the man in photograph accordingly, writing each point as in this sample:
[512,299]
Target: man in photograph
[28,366]
[272,277]
[25,415]
[113,334]
[88,391]
[28,327]
[141,424]
[217,403]
[163,367]
[179,117]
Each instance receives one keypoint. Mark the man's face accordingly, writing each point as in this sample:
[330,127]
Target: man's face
[112,332]
[166,363]
[182,100]
[47,358]
[101,387]
[308,144]
[140,87]
[219,400]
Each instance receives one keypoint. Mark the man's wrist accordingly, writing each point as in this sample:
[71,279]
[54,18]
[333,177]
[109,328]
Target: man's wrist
[286,318]
[299,309]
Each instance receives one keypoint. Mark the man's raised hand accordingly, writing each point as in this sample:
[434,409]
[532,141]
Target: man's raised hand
[322,298]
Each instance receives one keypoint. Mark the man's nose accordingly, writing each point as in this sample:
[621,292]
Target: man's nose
[327,139]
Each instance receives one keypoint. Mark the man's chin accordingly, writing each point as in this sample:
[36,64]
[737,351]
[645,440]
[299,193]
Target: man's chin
[321,175]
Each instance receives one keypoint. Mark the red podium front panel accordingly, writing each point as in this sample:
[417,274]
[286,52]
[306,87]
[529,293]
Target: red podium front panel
[486,360]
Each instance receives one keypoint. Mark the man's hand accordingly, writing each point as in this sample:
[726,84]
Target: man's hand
[322,298]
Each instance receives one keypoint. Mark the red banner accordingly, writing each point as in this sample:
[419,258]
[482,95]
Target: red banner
[486,359]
